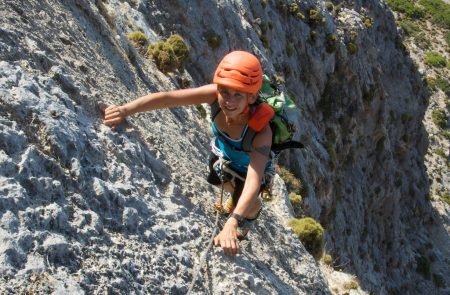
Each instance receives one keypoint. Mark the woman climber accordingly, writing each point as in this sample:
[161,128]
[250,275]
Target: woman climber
[232,97]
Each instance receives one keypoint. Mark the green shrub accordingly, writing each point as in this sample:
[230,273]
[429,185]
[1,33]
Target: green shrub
[310,233]
[264,3]
[214,40]
[315,18]
[329,6]
[352,285]
[439,118]
[201,110]
[327,259]
[446,197]
[406,7]
[293,8]
[300,15]
[368,22]
[179,47]
[409,27]
[439,11]
[351,47]
[169,55]
[293,183]
[138,39]
[447,38]
[295,199]
[440,152]
[435,59]
[332,43]
[422,40]
[295,11]
[445,134]
[440,83]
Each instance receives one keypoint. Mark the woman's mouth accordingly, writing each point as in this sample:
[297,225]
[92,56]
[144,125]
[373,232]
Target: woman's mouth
[230,109]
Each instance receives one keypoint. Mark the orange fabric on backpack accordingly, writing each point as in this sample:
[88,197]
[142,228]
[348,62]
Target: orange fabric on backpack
[261,117]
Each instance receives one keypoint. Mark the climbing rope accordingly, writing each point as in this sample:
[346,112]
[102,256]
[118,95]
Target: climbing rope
[203,258]
[219,209]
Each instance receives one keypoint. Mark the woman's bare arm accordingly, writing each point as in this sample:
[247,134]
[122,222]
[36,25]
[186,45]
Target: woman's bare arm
[204,94]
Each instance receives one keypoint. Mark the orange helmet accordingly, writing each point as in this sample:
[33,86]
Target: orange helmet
[239,70]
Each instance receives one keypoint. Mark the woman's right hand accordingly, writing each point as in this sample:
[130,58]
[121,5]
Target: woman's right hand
[114,115]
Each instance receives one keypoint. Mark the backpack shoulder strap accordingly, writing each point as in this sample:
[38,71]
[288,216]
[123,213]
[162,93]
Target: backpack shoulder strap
[258,120]
[287,145]
[248,139]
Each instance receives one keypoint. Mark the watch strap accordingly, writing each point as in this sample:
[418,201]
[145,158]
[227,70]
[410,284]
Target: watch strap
[238,217]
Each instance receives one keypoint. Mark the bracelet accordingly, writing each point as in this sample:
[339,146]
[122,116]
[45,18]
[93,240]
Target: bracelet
[239,218]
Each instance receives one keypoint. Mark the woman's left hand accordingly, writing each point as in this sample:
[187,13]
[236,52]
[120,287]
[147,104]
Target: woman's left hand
[227,238]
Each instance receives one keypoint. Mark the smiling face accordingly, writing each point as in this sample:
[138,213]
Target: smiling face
[233,102]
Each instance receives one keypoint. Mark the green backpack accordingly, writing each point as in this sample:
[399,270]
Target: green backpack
[281,119]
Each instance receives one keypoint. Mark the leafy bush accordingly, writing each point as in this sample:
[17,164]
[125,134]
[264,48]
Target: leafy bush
[423,40]
[446,134]
[446,197]
[352,285]
[201,110]
[214,40]
[439,118]
[332,43]
[447,38]
[327,259]
[409,27]
[179,47]
[435,59]
[310,233]
[137,38]
[293,183]
[351,47]
[264,3]
[368,22]
[329,6]
[406,7]
[440,152]
[315,18]
[169,55]
[295,199]
[440,83]
[439,11]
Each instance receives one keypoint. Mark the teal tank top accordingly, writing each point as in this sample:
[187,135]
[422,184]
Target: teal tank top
[232,149]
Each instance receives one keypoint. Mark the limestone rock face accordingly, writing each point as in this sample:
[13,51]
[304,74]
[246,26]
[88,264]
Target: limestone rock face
[85,209]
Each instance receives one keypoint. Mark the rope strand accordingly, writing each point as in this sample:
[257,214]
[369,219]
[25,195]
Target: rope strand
[205,254]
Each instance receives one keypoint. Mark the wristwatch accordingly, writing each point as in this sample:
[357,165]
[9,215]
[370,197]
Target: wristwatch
[239,218]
